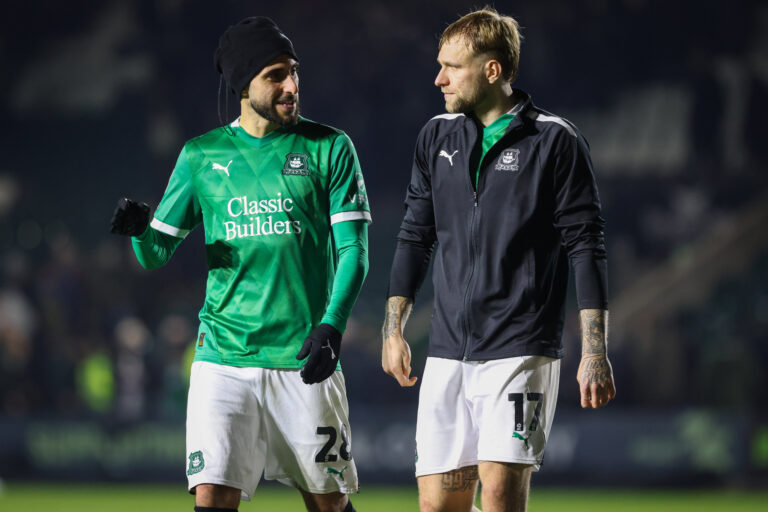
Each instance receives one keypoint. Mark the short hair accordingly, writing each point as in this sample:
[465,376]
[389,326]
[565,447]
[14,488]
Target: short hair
[487,31]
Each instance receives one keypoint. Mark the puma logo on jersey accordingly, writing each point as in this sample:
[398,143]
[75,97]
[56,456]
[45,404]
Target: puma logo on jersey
[520,437]
[332,471]
[329,347]
[219,167]
[446,155]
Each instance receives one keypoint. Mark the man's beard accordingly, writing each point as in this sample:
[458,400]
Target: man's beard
[465,104]
[460,106]
[269,112]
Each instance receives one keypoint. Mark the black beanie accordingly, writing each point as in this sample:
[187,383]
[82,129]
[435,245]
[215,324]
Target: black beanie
[244,49]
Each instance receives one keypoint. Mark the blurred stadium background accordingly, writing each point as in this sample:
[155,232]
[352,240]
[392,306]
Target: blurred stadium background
[98,98]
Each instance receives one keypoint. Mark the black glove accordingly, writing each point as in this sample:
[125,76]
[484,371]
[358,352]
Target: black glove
[322,345]
[130,218]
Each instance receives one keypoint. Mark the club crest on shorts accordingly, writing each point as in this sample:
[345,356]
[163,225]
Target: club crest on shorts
[296,164]
[508,161]
[196,463]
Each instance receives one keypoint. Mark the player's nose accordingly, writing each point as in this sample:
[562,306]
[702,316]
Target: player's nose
[291,85]
[441,79]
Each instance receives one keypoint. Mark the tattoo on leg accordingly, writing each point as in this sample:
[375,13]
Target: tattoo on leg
[460,479]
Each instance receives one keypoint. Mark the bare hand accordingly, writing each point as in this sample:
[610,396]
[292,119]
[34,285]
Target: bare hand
[396,360]
[595,377]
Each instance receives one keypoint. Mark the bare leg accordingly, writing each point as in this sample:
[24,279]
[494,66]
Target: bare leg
[331,502]
[219,496]
[505,486]
[453,491]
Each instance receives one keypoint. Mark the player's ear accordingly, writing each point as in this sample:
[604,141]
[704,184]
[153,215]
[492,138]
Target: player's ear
[492,70]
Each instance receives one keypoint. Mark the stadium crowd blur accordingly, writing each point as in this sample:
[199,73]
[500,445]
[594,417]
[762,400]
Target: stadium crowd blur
[672,100]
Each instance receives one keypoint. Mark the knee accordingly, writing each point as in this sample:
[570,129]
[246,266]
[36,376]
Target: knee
[427,505]
[495,492]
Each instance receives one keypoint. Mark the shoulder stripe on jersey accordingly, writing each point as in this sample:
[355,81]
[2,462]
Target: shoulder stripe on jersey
[447,116]
[168,229]
[552,119]
[357,215]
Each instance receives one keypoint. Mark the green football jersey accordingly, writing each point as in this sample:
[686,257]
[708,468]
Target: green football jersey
[267,205]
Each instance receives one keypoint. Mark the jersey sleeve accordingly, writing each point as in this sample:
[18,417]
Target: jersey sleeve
[179,210]
[577,217]
[417,235]
[347,197]
[351,242]
[154,249]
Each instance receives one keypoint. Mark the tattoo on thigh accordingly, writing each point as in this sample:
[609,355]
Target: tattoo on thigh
[460,479]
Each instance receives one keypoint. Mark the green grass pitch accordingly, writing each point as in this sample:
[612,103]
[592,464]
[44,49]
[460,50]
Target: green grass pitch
[125,498]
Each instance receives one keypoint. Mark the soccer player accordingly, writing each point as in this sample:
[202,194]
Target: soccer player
[508,193]
[284,210]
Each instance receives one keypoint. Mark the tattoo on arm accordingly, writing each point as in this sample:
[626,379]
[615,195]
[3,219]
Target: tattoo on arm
[596,369]
[462,479]
[397,311]
[594,330]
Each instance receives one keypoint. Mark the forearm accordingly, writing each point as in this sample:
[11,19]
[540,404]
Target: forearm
[594,332]
[351,241]
[595,375]
[398,310]
[153,248]
[395,352]
[590,269]
[409,267]
[594,367]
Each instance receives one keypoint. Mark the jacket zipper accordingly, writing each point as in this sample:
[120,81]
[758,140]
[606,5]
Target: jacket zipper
[472,257]
[467,348]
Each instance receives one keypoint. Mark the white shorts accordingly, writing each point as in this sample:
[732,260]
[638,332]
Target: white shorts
[242,421]
[499,410]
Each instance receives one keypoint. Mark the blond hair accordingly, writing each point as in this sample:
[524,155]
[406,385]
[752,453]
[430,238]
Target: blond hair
[487,31]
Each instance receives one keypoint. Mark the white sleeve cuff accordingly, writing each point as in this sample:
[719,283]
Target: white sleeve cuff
[168,229]
[356,215]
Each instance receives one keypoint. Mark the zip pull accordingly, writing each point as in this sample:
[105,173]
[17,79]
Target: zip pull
[475,195]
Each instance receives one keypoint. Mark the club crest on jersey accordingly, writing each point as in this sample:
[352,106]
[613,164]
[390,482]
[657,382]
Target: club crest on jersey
[196,463]
[296,163]
[508,161]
